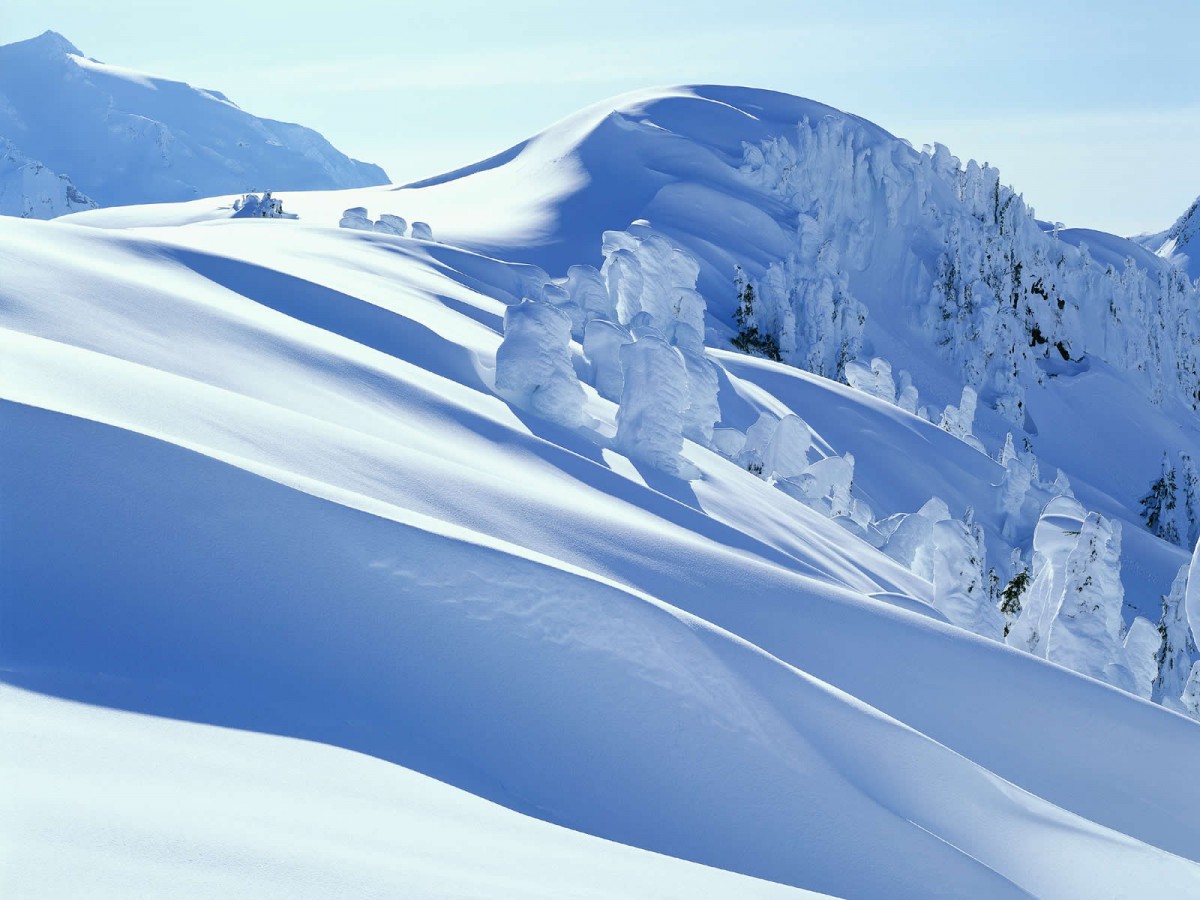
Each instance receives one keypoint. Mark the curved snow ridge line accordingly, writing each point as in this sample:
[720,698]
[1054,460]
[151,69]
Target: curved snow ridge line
[770,711]
[360,455]
[83,383]
[46,390]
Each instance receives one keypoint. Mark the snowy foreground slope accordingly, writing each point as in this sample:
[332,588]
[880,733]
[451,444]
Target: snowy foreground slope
[543,536]
[158,808]
[80,133]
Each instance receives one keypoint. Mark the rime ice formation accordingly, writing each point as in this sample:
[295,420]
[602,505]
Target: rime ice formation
[533,364]
[254,206]
[1072,613]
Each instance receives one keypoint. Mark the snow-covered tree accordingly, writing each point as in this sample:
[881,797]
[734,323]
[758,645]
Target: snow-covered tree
[654,402]
[1190,698]
[960,586]
[749,339]
[533,363]
[254,206]
[1177,649]
[356,218]
[874,379]
[1087,630]
[1160,502]
[786,454]
[1019,476]
[602,342]
[1011,596]
[1071,612]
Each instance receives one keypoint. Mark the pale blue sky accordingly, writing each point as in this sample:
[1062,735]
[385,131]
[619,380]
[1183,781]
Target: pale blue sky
[1089,108]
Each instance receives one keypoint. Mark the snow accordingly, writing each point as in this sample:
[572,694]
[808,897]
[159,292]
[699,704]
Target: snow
[503,509]
[155,807]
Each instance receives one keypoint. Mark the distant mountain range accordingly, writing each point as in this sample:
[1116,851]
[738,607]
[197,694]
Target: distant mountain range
[76,133]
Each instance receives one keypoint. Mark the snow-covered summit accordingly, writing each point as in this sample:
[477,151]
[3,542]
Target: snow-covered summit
[123,137]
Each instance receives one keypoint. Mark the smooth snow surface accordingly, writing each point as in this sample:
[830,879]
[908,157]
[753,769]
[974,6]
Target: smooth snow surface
[446,501]
[152,808]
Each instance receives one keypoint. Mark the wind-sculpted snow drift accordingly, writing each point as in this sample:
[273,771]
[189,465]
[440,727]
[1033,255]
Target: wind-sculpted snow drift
[504,509]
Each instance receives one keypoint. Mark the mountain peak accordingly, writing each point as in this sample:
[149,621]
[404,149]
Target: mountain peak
[48,42]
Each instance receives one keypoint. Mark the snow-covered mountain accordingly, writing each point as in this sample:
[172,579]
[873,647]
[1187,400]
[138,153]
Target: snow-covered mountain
[118,136]
[31,191]
[1180,243]
[712,473]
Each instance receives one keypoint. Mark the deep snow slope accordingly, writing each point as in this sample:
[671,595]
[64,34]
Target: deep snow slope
[151,807]
[457,499]
[124,137]
[255,475]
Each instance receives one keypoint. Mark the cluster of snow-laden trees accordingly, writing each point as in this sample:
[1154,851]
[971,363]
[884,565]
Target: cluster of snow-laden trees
[639,322]
[633,330]
[1171,507]
[998,292]
[259,206]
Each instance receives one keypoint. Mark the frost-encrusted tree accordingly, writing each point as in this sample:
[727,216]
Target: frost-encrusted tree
[1087,633]
[1010,302]
[786,454]
[1013,593]
[1189,500]
[749,339]
[1019,478]
[253,206]
[875,379]
[654,401]
[1190,698]
[960,420]
[1071,612]
[1160,502]
[960,588]
[602,343]
[533,363]
[1177,651]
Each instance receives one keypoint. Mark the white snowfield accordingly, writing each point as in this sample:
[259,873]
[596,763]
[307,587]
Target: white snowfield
[153,808]
[277,475]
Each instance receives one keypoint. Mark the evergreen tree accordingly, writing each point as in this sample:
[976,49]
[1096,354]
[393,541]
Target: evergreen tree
[1189,483]
[1158,506]
[1010,598]
[749,339]
[1177,651]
